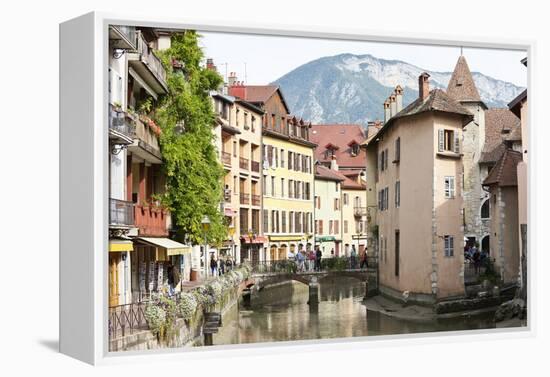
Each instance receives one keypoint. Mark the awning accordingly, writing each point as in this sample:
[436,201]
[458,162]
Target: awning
[172,247]
[120,245]
[256,239]
[325,239]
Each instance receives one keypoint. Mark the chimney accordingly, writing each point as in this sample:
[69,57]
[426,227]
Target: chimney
[423,85]
[398,98]
[237,88]
[393,105]
[210,64]
[387,114]
[231,79]
[333,163]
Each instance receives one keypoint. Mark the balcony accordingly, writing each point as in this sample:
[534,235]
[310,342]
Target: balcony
[226,158]
[255,166]
[256,200]
[121,213]
[148,66]
[151,220]
[244,198]
[360,211]
[146,144]
[121,127]
[123,37]
[243,163]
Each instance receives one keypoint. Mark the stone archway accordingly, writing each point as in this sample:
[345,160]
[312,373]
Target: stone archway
[486,244]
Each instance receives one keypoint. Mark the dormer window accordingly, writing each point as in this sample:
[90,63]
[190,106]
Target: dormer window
[330,149]
[354,148]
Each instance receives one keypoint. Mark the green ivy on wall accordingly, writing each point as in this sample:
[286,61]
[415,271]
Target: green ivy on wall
[186,118]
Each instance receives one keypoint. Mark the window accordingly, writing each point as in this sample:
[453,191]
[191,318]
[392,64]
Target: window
[282,187]
[337,186]
[320,226]
[382,161]
[449,246]
[253,123]
[234,149]
[383,199]
[346,199]
[266,219]
[283,221]
[397,194]
[336,204]
[448,141]
[290,157]
[449,187]
[290,188]
[354,149]
[276,155]
[272,186]
[264,185]
[291,222]
[397,253]
[336,226]
[272,221]
[237,118]
[397,149]
[282,158]
[246,121]
[330,225]
[485,209]
[308,193]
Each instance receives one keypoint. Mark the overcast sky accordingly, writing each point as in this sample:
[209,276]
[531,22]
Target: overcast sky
[269,57]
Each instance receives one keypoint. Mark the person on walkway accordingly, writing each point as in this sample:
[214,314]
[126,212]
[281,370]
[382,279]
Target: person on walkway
[318,256]
[221,266]
[311,260]
[213,265]
[364,261]
[353,257]
[228,264]
[477,259]
[300,259]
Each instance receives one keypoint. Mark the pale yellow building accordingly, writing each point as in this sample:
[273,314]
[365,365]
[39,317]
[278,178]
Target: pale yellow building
[414,175]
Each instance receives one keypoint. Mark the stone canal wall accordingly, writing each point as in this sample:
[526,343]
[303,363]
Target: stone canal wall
[185,333]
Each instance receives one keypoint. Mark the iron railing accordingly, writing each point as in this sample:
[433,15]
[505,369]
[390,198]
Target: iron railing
[472,272]
[121,212]
[256,200]
[245,198]
[292,266]
[255,166]
[124,319]
[226,158]
[121,123]
[150,59]
[243,163]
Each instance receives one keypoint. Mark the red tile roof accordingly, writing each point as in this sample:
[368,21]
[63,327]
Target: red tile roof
[322,172]
[500,125]
[257,94]
[461,85]
[339,135]
[504,173]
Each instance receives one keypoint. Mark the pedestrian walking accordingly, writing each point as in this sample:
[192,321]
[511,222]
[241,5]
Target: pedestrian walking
[300,259]
[311,260]
[213,265]
[228,264]
[364,261]
[353,257]
[318,256]
[477,260]
[221,266]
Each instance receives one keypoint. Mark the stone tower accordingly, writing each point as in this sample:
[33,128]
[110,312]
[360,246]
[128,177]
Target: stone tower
[463,89]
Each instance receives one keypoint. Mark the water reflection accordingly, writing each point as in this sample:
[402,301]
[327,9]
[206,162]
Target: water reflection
[281,313]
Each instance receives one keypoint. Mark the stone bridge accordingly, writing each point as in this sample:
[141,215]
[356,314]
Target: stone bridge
[260,280]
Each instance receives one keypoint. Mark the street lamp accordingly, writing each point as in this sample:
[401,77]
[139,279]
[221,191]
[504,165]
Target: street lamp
[205,227]
[231,231]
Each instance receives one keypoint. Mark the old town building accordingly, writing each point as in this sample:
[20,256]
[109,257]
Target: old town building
[339,148]
[287,169]
[328,211]
[414,168]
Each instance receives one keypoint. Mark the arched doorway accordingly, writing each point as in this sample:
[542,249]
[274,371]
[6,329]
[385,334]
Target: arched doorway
[486,209]
[485,244]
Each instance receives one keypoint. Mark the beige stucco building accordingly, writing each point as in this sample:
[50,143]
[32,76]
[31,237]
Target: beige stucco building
[414,170]
[328,211]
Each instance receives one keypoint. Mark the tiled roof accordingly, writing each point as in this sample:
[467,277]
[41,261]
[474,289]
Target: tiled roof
[513,105]
[461,85]
[504,173]
[322,172]
[353,184]
[497,122]
[260,94]
[339,135]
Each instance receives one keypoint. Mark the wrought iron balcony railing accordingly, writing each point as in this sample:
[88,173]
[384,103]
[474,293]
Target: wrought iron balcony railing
[243,163]
[245,198]
[121,212]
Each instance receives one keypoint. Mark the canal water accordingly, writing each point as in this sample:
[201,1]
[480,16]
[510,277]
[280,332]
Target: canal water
[281,313]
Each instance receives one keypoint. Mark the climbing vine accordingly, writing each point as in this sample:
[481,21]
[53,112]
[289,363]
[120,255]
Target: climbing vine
[186,118]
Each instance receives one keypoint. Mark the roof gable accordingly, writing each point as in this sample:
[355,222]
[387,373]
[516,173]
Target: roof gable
[461,85]
[504,173]
[500,125]
[339,137]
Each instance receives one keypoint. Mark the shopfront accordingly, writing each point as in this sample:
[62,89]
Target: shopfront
[252,249]
[119,274]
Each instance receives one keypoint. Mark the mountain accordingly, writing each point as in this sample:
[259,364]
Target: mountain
[351,88]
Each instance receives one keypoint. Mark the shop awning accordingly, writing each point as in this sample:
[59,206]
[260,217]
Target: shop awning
[325,239]
[172,247]
[120,245]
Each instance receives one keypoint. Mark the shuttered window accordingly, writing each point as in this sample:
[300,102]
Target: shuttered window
[449,246]
[397,194]
[449,187]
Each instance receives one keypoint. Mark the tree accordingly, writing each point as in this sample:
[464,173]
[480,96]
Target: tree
[194,173]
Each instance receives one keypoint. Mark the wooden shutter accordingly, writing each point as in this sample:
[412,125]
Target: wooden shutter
[441,139]
[452,186]
[398,149]
[457,142]
[451,246]
[386,160]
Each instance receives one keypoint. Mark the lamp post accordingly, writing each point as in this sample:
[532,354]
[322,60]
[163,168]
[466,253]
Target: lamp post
[205,227]
[231,231]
